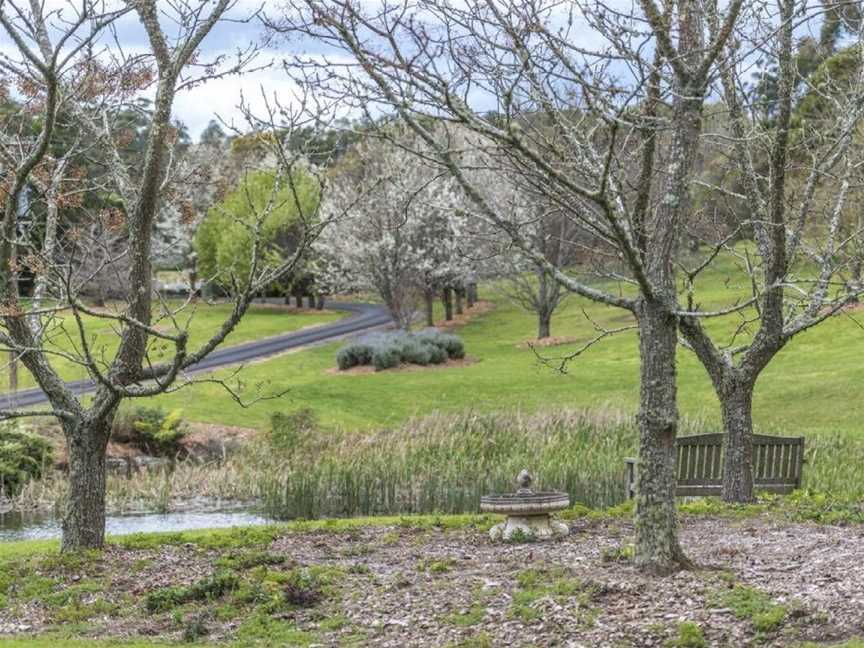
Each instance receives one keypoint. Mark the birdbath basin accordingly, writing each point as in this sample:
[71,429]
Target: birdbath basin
[529,514]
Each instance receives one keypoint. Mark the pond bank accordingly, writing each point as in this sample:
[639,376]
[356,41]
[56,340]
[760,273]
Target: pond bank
[15,526]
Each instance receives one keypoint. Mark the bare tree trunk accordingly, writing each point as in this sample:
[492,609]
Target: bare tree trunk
[13,373]
[447,300]
[459,294]
[311,300]
[854,285]
[298,299]
[319,304]
[544,304]
[734,388]
[194,290]
[49,245]
[84,520]
[429,299]
[737,406]
[544,324]
[657,548]
[472,294]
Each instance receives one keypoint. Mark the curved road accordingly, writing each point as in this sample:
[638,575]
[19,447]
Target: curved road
[363,317]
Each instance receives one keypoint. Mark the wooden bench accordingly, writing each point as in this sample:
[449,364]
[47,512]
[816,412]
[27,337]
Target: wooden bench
[777,465]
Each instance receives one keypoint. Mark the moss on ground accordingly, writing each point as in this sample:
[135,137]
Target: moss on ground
[753,605]
[255,589]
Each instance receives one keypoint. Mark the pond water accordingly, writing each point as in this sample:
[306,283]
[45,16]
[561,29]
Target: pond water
[23,526]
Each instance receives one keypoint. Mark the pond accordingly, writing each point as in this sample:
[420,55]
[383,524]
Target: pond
[24,526]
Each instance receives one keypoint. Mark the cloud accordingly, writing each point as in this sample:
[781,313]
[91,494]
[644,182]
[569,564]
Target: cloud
[221,98]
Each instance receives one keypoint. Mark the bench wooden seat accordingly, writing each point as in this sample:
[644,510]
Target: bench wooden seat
[777,465]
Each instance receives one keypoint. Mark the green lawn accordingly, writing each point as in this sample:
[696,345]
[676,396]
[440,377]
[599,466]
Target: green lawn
[201,320]
[814,385]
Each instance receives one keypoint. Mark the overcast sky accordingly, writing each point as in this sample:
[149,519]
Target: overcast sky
[220,98]
[198,106]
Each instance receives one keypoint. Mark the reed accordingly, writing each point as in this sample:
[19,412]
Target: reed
[444,463]
[441,463]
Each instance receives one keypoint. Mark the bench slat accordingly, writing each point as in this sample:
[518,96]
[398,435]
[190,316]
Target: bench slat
[777,464]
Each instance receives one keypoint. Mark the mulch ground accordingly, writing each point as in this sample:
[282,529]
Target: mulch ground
[429,587]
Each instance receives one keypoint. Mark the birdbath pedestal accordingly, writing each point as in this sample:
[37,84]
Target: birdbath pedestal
[529,514]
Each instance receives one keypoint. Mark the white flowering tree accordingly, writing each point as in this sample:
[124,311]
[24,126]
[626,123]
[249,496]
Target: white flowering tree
[401,232]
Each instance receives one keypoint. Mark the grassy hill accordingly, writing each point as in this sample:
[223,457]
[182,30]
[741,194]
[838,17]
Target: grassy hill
[814,385]
[201,320]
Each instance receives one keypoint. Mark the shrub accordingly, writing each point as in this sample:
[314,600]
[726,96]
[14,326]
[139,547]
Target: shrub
[451,344]
[416,353]
[387,350]
[437,355]
[151,430]
[23,457]
[385,358]
[354,355]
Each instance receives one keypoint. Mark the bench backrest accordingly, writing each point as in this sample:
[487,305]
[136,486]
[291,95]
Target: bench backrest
[777,463]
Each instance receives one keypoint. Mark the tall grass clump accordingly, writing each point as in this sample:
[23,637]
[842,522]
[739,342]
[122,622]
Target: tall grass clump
[437,464]
[444,463]
[392,348]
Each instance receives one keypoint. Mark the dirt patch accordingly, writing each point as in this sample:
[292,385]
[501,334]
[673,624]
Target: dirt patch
[479,308]
[551,341]
[365,370]
[402,586]
[205,440]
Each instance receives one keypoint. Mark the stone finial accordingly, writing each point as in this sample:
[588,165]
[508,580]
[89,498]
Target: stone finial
[523,481]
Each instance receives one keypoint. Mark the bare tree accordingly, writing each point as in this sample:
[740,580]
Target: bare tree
[528,283]
[632,91]
[68,75]
[796,179]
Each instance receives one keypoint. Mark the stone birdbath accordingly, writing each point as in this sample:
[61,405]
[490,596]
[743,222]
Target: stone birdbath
[529,514]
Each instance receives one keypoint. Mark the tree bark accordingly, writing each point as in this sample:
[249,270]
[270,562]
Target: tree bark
[447,300]
[298,299]
[319,304]
[472,294]
[459,293]
[84,519]
[544,325]
[311,300]
[736,404]
[734,388]
[657,548]
[429,299]
[13,373]
[854,285]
